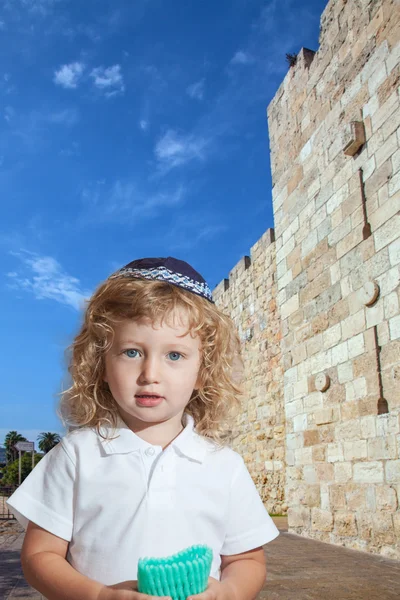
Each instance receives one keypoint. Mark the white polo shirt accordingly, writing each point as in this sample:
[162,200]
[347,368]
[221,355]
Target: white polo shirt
[119,500]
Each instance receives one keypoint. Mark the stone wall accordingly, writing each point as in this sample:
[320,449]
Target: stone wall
[337,230]
[249,296]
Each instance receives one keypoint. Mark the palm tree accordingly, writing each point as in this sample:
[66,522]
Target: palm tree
[47,441]
[11,439]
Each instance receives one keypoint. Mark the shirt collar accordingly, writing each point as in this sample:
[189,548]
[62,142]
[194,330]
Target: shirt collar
[188,442]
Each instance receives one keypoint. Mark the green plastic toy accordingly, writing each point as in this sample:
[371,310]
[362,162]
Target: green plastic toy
[178,576]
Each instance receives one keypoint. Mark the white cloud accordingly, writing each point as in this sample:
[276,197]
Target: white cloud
[68,116]
[125,201]
[109,80]
[44,277]
[143,124]
[242,58]
[68,76]
[173,149]
[196,90]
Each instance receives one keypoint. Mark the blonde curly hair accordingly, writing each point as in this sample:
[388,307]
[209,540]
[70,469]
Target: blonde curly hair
[214,407]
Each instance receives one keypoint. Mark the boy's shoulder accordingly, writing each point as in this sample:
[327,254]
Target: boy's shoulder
[81,439]
[223,455]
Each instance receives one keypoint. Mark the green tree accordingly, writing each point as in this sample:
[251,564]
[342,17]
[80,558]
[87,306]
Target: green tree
[11,439]
[48,440]
[11,471]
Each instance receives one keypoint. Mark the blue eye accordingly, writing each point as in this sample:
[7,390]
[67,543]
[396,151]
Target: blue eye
[131,353]
[176,354]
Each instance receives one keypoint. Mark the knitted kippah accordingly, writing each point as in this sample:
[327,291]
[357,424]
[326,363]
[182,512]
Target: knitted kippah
[177,576]
[172,270]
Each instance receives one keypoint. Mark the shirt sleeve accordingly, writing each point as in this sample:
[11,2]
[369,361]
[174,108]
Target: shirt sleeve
[45,497]
[248,522]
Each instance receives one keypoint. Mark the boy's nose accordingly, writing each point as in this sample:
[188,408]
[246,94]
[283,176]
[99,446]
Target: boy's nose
[150,371]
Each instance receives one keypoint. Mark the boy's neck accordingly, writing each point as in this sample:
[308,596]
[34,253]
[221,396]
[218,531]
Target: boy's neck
[158,434]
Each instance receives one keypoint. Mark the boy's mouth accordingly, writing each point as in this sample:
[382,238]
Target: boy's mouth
[148,400]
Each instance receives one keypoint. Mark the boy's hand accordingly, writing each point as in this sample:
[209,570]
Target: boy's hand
[126,590]
[215,591]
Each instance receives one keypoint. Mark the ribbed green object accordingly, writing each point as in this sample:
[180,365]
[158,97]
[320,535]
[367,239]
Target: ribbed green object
[178,576]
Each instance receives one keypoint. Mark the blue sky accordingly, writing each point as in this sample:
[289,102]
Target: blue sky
[128,128]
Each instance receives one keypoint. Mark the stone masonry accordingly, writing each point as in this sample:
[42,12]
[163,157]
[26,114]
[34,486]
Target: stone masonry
[317,301]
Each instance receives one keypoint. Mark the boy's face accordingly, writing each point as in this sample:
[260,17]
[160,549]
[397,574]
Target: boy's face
[152,359]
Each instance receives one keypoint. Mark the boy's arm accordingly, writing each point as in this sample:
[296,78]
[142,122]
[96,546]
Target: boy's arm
[243,575]
[43,559]
[45,567]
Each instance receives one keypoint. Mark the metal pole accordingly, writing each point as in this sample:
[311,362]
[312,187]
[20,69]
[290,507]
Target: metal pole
[20,468]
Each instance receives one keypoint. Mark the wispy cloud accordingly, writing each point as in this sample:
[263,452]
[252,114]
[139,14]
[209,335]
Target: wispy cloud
[242,58]
[68,116]
[174,149]
[191,230]
[125,201]
[143,124]
[109,80]
[68,76]
[45,278]
[39,7]
[196,90]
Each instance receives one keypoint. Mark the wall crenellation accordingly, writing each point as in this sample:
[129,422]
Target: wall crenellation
[317,302]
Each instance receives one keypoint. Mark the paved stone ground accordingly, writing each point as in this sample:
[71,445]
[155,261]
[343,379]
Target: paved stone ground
[298,569]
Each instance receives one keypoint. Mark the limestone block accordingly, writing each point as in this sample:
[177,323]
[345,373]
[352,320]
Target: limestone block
[368,472]
[335,272]
[337,198]
[371,107]
[350,430]
[350,410]
[368,428]
[299,516]
[345,524]
[386,150]
[386,498]
[394,185]
[300,422]
[343,472]
[396,523]
[325,472]
[337,498]
[387,233]
[294,440]
[355,450]
[356,496]
[340,353]
[351,240]
[383,528]
[394,327]
[310,477]
[392,471]
[387,424]
[389,281]
[321,520]
[364,524]
[325,415]
[345,371]
[290,306]
[384,213]
[332,336]
[313,496]
[384,112]
[353,325]
[356,345]
[335,452]
[340,232]
[356,389]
